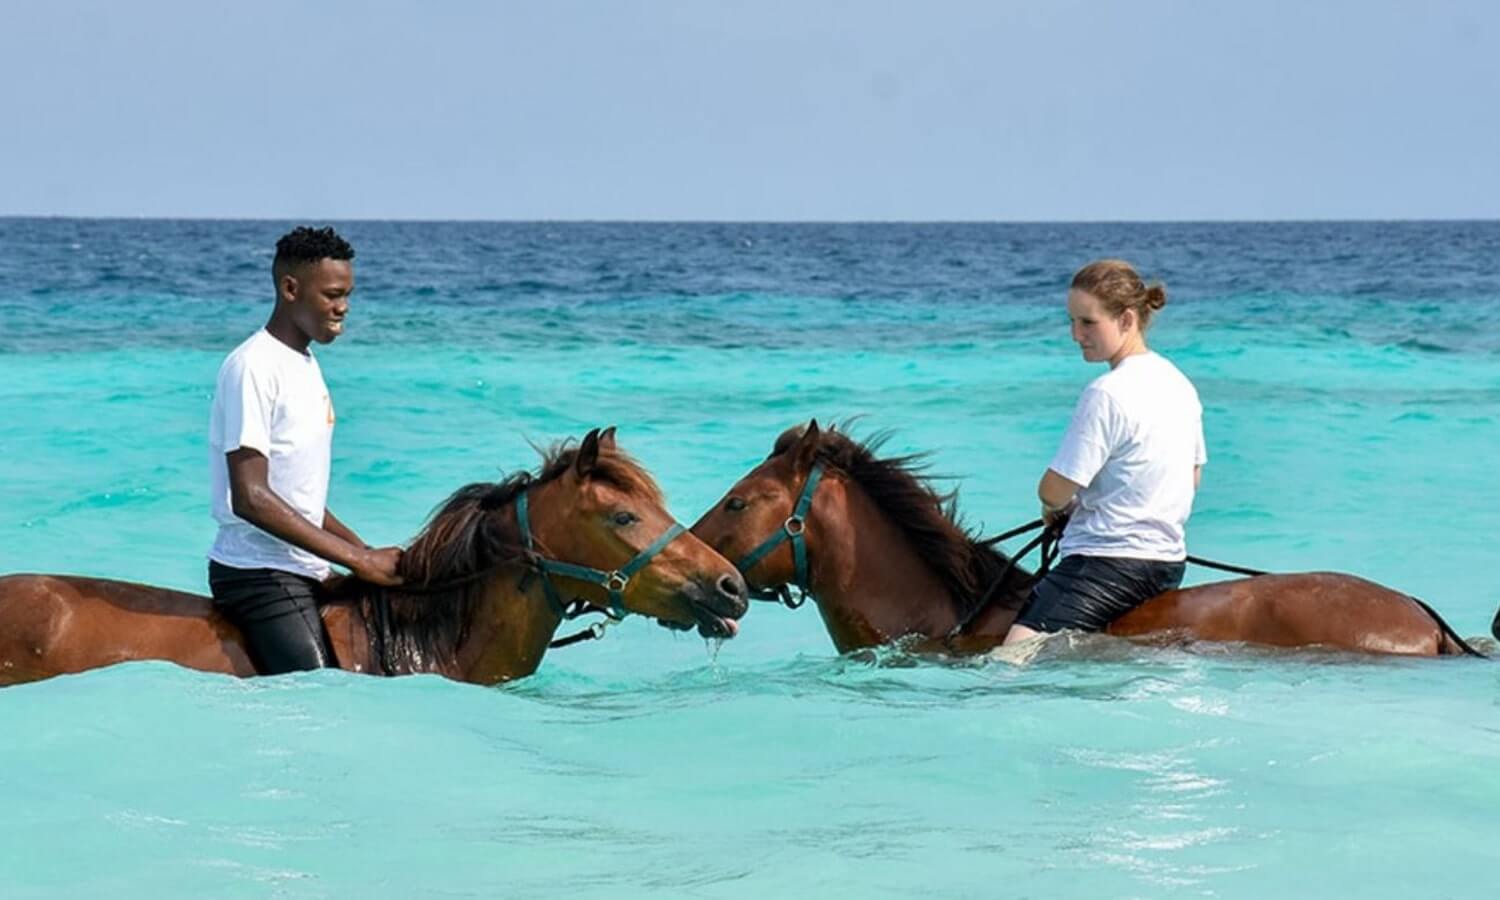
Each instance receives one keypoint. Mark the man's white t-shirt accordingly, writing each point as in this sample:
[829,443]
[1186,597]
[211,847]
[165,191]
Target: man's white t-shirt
[271,398]
[1135,437]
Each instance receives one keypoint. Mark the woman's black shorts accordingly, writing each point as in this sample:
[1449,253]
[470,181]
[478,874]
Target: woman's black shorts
[1088,592]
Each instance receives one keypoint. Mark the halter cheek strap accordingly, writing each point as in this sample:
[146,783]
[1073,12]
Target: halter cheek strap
[793,529]
[614,583]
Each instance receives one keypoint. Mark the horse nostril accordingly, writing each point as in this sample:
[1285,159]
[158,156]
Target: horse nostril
[732,587]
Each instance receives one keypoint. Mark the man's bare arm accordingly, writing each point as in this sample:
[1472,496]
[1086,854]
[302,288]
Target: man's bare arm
[252,499]
[335,526]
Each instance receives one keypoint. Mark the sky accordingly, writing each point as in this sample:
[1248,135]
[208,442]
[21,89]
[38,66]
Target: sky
[989,110]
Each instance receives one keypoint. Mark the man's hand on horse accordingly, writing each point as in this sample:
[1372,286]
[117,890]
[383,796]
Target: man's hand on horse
[380,566]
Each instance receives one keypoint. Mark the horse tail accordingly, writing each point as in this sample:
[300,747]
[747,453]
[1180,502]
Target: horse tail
[1452,644]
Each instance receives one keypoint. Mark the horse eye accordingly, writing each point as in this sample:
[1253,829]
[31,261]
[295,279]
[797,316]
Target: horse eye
[624,518]
[734,504]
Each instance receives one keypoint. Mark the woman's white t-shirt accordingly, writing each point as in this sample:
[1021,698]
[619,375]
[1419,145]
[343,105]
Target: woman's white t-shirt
[1134,440]
[272,399]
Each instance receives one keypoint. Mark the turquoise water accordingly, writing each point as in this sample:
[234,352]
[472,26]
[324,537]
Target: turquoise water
[1351,378]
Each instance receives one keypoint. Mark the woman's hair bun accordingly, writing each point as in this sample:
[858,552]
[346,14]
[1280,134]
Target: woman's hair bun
[1156,295]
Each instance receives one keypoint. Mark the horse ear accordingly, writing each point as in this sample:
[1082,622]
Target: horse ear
[588,454]
[807,446]
[607,438]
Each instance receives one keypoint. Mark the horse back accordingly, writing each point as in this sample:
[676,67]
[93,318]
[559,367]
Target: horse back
[1326,609]
[61,624]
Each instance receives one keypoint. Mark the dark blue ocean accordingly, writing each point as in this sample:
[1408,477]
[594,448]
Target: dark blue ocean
[1350,374]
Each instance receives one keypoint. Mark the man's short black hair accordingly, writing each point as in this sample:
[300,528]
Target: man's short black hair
[307,245]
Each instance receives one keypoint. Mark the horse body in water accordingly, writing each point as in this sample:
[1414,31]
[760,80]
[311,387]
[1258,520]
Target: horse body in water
[883,559]
[481,601]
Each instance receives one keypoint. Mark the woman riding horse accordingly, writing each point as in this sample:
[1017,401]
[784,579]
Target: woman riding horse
[874,546]
[1128,467]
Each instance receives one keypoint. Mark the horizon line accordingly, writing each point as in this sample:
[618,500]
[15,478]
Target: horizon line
[626,221]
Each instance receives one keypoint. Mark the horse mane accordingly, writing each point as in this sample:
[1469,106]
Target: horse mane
[420,626]
[900,487]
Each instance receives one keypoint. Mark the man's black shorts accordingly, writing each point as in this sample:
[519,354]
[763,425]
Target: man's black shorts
[1088,592]
[277,613]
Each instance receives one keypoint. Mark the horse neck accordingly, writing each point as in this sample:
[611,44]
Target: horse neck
[509,635]
[506,640]
[870,583]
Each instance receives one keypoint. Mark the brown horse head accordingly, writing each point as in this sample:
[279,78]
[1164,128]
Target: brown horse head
[761,505]
[762,508]
[596,507]
[596,530]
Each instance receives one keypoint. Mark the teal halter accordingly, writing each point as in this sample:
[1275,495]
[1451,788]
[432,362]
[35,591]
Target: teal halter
[614,583]
[792,530]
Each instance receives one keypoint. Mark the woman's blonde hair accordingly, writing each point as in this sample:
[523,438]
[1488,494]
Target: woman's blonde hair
[1118,287]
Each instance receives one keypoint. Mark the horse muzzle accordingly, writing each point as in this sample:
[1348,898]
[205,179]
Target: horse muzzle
[717,606]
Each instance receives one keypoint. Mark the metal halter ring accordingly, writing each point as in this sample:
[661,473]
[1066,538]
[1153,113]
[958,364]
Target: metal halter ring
[616,582]
[794,525]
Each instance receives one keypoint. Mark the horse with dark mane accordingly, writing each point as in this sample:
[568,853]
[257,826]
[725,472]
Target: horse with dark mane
[487,583]
[882,555]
